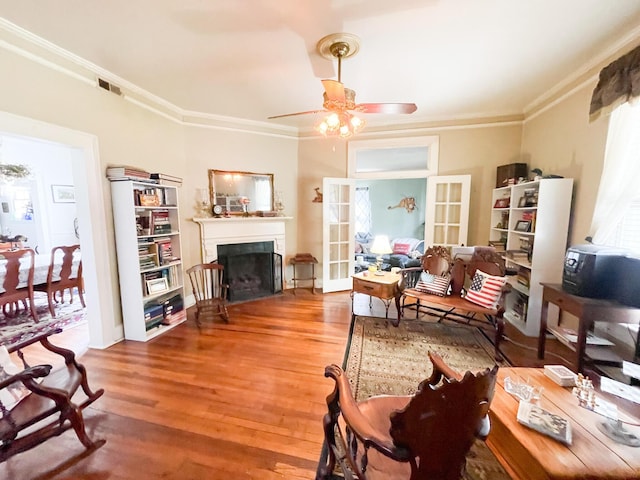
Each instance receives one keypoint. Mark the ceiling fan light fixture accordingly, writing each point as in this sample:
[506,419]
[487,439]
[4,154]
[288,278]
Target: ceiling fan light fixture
[343,124]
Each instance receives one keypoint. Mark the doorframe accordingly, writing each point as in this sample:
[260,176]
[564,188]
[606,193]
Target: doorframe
[96,256]
[432,142]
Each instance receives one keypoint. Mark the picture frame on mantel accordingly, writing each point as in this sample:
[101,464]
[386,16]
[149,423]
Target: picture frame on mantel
[63,193]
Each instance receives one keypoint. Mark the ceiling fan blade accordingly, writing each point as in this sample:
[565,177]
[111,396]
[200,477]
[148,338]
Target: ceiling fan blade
[294,114]
[391,108]
[334,90]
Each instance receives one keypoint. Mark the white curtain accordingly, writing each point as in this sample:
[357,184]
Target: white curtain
[363,210]
[620,174]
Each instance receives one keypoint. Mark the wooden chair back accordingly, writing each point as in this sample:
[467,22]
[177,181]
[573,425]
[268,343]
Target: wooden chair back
[436,260]
[65,272]
[441,422]
[427,435]
[17,267]
[209,290]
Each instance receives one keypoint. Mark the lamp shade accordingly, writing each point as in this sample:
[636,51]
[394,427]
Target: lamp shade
[381,245]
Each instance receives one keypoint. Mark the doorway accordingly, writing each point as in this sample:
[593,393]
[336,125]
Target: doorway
[92,224]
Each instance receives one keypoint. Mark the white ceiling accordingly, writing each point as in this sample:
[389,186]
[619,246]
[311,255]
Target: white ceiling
[250,59]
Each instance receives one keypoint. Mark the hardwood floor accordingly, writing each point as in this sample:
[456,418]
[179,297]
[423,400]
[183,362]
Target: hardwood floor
[242,400]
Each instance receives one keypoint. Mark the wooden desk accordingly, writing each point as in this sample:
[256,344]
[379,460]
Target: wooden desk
[527,454]
[384,287]
[588,310]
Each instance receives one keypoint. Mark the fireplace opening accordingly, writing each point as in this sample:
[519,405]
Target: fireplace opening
[252,270]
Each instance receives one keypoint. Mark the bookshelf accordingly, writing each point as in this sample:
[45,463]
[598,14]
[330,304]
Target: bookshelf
[147,227]
[530,224]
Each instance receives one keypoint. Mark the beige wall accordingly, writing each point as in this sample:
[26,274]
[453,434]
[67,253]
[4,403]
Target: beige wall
[207,148]
[463,150]
[561,141]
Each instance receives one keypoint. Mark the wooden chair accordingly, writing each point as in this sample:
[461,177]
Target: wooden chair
[454,306]
[209,290]
[424,436]
[62,276]
[48,409]
[18,269]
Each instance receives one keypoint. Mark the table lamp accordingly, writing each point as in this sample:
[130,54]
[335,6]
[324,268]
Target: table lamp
[380,246]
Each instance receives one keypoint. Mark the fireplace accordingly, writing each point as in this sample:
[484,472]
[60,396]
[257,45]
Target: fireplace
[252,270]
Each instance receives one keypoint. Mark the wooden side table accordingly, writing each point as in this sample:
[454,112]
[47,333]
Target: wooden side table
[308,260]
[384,287]
[588,310]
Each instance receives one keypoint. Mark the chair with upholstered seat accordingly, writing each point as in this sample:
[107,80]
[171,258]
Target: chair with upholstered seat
[65,272]
[209,290]
[17,285]
[422,436]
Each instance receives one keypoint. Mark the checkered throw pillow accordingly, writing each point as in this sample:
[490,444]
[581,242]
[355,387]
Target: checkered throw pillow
[485,289]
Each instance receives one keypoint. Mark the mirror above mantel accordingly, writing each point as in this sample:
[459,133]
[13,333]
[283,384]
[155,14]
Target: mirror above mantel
[240,193]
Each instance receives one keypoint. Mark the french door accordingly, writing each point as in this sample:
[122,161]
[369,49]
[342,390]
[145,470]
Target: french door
[447,212]
[338,233]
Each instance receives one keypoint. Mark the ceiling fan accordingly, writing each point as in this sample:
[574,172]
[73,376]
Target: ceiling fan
[339,101]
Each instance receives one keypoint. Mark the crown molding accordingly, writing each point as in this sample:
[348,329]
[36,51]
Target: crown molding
[36,49]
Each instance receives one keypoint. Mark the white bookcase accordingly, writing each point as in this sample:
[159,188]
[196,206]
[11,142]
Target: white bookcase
[531,221]
[147,228]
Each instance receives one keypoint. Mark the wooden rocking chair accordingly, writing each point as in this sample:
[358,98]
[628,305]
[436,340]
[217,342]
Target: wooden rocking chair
[419,437]
[48,408]
[209,290]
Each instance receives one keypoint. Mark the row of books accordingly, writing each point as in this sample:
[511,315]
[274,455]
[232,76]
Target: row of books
[166,310]
[153,222]
[160,280]
[152,254]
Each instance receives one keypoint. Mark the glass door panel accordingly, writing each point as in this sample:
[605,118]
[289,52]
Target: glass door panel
[338,234]
[447,212]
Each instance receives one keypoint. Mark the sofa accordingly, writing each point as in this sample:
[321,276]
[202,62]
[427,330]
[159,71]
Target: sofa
[406,253]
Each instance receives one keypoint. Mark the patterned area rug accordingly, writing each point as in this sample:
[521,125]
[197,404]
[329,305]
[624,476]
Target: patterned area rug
[382,359]
[20,327]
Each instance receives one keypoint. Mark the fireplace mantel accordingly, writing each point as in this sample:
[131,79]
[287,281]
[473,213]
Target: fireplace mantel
[238,229]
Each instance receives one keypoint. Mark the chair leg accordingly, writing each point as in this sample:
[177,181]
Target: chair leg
[32,308]
[52,309]
[81,295]
[77,422]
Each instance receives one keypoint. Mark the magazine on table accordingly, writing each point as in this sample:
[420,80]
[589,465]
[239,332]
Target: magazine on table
[544,422]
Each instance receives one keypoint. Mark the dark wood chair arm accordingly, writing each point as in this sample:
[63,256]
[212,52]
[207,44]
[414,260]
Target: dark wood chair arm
[38,338]
[440,369]
[409,277]
[28,374]
[358,423]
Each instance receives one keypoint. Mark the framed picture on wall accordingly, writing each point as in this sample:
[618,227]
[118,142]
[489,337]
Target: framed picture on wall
[63,193]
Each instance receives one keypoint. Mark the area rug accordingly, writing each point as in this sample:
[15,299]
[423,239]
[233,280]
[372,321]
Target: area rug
[14,329]
[382,359]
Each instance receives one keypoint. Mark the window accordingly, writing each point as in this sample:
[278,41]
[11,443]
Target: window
[363,210]
[616,217]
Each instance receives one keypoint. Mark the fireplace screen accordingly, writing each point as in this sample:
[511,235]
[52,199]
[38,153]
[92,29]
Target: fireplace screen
[252,270]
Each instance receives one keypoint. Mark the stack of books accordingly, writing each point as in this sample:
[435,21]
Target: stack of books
[128,173]
[165,179]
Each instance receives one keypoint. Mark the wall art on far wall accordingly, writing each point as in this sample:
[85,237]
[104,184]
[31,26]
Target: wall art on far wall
[63,193]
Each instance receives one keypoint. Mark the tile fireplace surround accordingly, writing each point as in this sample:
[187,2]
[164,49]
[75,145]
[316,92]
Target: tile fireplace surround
[222,231]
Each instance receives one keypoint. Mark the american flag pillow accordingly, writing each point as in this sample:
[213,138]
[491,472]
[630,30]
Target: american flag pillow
[485,289]
[435,284]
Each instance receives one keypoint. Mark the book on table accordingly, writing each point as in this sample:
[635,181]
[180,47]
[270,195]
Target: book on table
[545,422]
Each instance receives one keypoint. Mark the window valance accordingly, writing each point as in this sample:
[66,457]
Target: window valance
[619,82]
